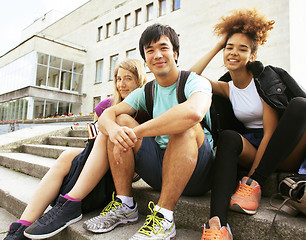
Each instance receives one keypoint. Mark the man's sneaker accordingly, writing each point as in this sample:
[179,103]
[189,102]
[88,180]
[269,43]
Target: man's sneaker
[64,213]
[114,214]
[246,199]
[16,232]
[213,230]
[156,227]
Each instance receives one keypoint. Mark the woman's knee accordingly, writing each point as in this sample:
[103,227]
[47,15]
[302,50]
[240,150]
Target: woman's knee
[125,120]
[229,136]
[63,163]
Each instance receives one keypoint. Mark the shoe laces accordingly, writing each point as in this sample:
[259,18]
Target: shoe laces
[245,190]
[152,221]
[278,210]
[47,217]
[111,206]
[210,234]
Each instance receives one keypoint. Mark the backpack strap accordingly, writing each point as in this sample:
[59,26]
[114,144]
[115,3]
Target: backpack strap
[180,87]
[149,95]
[150,87]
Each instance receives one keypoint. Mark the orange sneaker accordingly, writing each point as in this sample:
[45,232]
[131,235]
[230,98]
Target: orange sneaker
[213,230]
[246,199]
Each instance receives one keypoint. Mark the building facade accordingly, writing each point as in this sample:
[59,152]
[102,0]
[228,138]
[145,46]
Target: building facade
[67,67]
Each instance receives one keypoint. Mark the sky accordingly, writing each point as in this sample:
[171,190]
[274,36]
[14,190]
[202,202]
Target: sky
[16,15]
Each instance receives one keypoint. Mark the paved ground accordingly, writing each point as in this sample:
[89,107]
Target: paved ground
[5,128]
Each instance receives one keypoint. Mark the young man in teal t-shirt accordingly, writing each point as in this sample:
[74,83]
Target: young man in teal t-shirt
[176,161]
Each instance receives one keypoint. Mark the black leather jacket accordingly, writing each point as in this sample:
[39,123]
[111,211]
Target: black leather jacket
[274,85]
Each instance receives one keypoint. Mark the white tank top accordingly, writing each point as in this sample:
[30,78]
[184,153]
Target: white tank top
[247,105]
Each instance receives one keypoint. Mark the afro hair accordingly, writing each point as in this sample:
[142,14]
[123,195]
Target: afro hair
[246,21]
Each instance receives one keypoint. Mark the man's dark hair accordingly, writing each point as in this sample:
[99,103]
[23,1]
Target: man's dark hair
[153,33]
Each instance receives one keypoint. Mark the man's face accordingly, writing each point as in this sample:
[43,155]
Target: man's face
[160,57]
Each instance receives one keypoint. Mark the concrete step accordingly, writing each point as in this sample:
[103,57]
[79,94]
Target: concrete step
[193,212]
[50,151]
[68,141]
[76,232]
[79,133]
[32,165]
[14,200]
[36,134]
[190,213]
[16,189]
[5,220]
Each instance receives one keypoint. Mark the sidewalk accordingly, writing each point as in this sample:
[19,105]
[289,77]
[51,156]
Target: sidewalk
[76,120]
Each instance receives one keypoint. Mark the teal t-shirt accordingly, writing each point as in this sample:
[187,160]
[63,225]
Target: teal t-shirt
[165,98]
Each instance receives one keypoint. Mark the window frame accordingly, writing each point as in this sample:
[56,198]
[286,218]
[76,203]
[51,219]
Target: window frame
[174,5]
[150,6]
[137,16]
[160,3]
[96,77]
[108,30]
[112,66]
[127,21]
[117,26]
[100,33]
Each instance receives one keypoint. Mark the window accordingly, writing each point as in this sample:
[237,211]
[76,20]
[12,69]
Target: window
[59,73]
[108,30]
[149,11]
[131,53]
[42,59]
[127,23]
[65,80]
[99,71]
[162,7]
[113,63]
[100,33]
[117,26]
[55,62]
[138,17]
[53,77]
[96,101]
[176,4]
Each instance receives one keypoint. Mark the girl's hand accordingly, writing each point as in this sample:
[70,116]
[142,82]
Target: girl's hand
[222,42]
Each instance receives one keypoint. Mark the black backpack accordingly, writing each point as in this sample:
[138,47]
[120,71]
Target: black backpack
[149,95]
[101,195]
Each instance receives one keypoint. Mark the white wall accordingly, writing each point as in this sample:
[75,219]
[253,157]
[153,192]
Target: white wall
[19,73]
[297,40]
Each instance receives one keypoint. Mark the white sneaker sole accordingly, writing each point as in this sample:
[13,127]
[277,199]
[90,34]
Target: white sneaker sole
[125,222]
[237,208]
[171,237]
[48,235]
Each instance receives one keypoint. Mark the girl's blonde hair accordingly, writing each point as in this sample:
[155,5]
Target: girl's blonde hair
[136,67]
[246,21]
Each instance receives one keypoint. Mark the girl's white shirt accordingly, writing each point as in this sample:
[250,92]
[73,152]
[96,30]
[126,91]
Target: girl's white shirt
[247,105]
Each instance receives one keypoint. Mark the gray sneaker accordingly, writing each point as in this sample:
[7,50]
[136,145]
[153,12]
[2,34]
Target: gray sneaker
[114,214]
[156,227]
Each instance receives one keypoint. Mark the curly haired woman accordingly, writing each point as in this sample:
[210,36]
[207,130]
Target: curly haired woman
[273,135]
